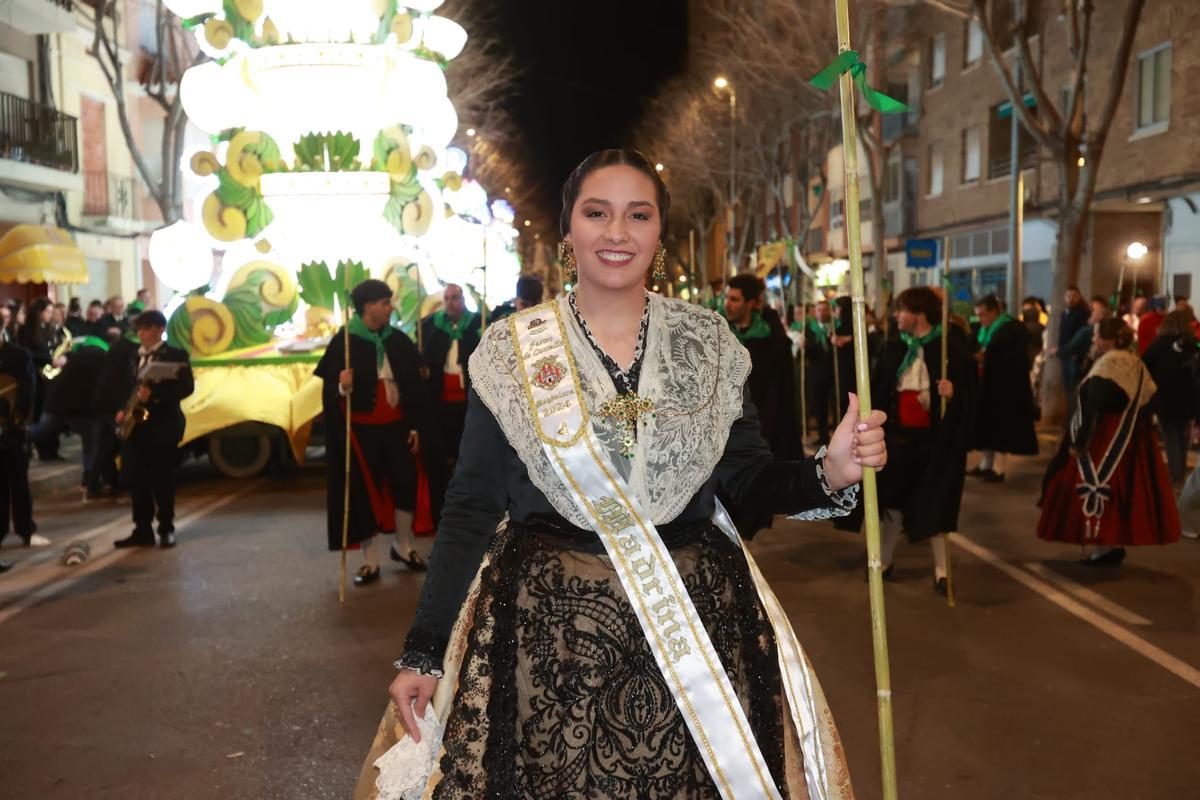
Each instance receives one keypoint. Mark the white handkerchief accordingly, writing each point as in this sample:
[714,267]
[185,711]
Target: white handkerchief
[405,769]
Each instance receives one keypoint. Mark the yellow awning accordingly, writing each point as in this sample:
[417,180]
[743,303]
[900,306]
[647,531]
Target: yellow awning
[40,254]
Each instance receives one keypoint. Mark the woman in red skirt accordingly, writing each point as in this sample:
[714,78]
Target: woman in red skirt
[1108,487]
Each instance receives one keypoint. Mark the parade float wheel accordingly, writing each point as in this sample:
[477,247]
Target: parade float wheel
[240,456]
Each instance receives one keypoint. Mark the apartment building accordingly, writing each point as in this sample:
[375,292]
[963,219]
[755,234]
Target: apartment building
[65,166]
[1149,175]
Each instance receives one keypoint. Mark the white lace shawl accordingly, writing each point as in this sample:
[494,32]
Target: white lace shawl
[694,370]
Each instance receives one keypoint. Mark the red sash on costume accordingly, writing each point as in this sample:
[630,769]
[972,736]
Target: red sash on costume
[453,390]
[383,507]
[909,411]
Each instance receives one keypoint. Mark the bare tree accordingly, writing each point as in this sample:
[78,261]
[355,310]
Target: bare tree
[175,53]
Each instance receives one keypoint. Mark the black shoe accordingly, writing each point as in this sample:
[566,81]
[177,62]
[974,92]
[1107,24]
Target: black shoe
[166,540]
[135,539]
[1112,558]
[940,587]
[366,576]
[5,566]
[412,563]
[991,476]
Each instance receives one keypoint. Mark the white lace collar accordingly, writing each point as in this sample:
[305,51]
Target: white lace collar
[693,369]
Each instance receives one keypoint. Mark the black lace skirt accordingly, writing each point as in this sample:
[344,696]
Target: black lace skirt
[559,696]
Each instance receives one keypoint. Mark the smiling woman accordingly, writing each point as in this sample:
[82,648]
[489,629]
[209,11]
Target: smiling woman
[591,626]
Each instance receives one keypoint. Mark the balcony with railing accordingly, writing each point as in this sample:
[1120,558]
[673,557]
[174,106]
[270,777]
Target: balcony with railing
[108,196]
[36,17]
[39,146]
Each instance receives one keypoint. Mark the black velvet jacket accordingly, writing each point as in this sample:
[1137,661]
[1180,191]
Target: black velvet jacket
[490,480]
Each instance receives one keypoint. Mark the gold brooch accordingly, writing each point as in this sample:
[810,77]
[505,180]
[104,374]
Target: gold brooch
[625,411]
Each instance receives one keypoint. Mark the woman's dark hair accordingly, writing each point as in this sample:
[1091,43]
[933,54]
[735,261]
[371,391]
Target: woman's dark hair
[38,306]
[922,300]
[1176,324]
[1115,330]
[612,158]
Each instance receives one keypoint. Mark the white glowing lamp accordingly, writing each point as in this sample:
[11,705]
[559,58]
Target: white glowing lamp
[180,256]
[443,36]
[332,216]
[193,8]
[364,87]
[456,250]
[1136,251]
[323,21]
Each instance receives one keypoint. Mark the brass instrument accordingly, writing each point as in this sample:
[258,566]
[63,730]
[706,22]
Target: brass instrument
[135,413]
[50,372]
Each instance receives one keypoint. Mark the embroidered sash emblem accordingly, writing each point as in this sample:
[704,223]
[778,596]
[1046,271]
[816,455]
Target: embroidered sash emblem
[548,372]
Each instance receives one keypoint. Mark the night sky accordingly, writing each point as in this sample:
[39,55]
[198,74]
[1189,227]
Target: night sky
[589,69]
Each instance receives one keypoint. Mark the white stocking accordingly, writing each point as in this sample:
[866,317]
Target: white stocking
[370,552]
[404,538]
[939,544]
[988,459]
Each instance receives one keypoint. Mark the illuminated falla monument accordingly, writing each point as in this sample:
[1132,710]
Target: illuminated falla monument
[330,124]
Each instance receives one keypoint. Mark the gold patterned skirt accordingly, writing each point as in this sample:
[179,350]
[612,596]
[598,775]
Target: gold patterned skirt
[552,692]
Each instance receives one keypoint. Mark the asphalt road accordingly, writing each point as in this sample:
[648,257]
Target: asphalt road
[227,669]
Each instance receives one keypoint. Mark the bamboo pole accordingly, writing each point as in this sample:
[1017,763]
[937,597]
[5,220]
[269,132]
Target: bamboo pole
[887,751]
[803,370]
[348,454]
[945,376]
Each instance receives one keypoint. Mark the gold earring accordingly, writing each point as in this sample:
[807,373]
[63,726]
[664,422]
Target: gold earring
[659,263]
[566,257]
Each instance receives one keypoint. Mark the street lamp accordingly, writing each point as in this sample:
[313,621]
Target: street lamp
[1135,252]
[721,83]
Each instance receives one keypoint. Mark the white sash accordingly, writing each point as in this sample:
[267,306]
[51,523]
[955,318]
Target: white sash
[676,635]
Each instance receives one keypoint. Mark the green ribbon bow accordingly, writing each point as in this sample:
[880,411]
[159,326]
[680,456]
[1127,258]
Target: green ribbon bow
[914,344]
[358,328]
[849,61]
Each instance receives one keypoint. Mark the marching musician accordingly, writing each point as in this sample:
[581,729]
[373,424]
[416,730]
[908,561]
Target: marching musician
[149,455]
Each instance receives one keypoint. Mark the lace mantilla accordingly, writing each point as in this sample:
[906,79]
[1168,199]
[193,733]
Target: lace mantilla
[693,370]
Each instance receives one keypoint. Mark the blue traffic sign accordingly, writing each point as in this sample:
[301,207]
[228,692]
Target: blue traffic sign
[921,253]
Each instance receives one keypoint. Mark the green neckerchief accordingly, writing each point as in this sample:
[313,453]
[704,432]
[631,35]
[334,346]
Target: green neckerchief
[89,341]
[914,347]
[454,330]
[358,328]
[759,329]
[986,334]
[820,330]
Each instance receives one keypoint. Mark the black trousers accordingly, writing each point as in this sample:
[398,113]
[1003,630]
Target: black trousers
[820,401]
[149,462]
[452,417]
[390,462]
[16,500]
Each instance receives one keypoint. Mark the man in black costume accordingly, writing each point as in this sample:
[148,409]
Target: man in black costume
[771,382]
[1005,423]
[392,424]
[16,404]
[150,454]
[448,337]
[920,492]
[818,367]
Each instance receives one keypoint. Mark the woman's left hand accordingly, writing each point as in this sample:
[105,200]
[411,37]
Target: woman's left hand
[855,445]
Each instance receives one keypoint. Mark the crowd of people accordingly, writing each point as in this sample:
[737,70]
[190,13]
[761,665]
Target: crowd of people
[67,370]
[1132,379]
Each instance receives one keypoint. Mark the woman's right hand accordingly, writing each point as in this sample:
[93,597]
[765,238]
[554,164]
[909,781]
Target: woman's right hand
[410,693]
[346,379]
